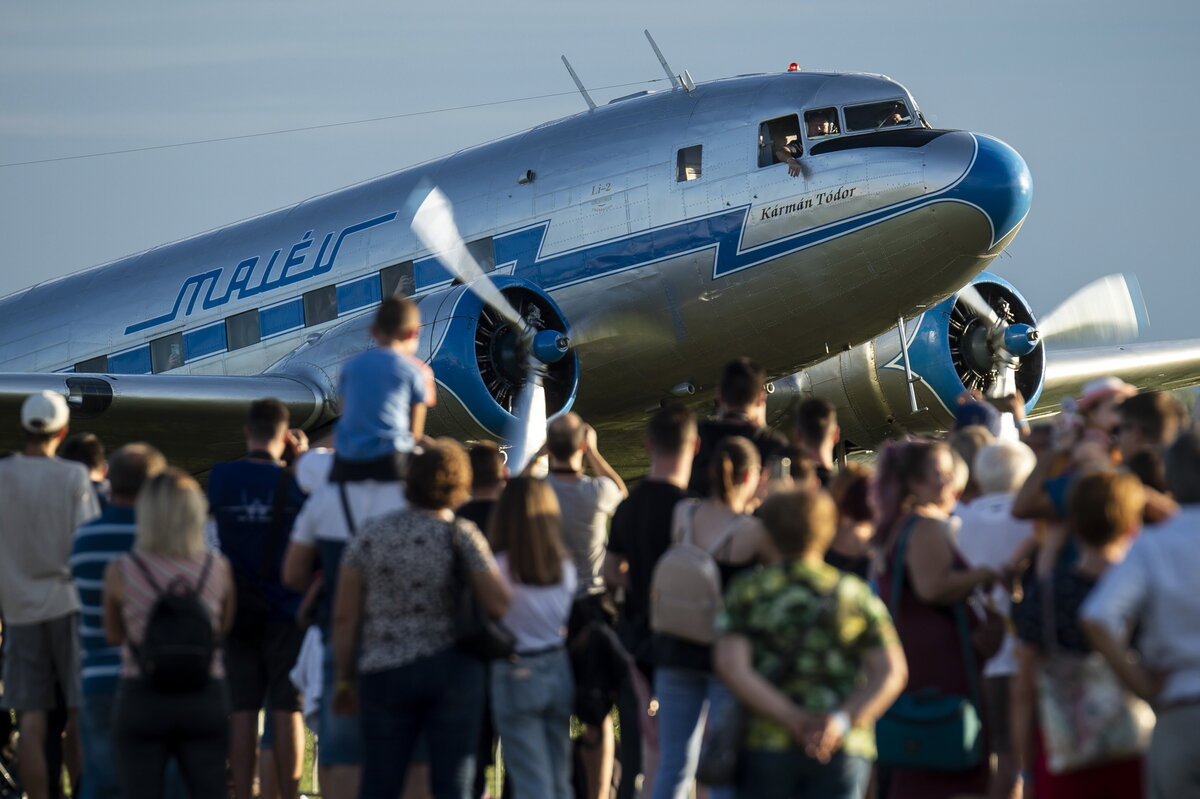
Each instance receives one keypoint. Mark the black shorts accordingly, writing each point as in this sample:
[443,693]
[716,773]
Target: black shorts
[256,669]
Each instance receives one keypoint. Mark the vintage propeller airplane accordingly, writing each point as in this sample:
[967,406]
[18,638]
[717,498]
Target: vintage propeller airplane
[607,261]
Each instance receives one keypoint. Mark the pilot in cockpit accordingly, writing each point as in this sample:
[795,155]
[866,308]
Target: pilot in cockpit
[818,124]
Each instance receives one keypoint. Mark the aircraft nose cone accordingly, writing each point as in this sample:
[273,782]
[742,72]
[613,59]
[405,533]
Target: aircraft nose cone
[999,184]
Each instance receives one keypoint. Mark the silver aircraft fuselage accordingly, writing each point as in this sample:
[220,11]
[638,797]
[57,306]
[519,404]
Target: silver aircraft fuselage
[662,273]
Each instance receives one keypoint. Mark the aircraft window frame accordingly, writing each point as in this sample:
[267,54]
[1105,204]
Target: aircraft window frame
[242,330]
[96,365]
[689,163]
[877,117]
[483,250]
[166,352]
[828,111]
[398,279]
[320,305]
[775,134]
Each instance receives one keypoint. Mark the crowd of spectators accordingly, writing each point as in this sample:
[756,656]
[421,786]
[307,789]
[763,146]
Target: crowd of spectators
[1006,612]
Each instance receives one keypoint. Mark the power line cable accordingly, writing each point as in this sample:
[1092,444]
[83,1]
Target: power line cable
[317,127]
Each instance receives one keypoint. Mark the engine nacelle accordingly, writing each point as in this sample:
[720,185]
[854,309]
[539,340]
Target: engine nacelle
[475,355]
[948,354]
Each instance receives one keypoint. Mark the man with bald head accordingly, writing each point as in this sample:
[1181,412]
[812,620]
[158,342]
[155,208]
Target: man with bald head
[587,502]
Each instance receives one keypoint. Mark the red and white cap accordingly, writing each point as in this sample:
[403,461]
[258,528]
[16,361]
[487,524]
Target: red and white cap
[1103,389]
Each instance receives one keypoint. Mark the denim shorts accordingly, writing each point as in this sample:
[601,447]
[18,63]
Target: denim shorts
[340,737]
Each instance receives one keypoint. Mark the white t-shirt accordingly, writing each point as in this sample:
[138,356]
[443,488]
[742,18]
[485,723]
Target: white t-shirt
[1155,587]
[538,613]
[322,516]
[988,537]
[587,504]
[42,502]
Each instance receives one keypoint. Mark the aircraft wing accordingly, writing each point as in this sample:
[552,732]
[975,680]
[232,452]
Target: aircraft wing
[195,420]
[1147,365]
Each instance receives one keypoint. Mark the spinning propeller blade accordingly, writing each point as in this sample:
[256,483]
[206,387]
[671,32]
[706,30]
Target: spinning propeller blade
[528,431]
[433,222]
[1104,311]
[971,296]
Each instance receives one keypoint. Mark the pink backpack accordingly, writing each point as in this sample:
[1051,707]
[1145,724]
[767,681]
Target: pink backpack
[686,594]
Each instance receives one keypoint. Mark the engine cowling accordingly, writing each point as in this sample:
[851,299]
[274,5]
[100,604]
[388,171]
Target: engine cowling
[475,355]
[948,354]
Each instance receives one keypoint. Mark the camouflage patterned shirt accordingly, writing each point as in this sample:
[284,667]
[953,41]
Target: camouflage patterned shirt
[839,619]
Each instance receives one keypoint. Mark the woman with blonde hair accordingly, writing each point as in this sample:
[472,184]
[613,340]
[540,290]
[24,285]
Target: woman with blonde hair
[162,715]
[683,679]
[533,691]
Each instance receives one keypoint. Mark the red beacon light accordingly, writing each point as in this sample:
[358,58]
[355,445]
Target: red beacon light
[793,67]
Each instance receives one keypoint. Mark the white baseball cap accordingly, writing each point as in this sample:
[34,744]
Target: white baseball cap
[45,412]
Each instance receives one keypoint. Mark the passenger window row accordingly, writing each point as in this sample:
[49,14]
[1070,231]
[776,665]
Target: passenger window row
[250,327]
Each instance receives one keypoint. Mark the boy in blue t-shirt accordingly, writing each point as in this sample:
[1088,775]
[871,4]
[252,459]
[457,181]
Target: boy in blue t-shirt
[385,392]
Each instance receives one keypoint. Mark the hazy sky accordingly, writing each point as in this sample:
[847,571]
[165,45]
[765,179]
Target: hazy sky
[1099,96]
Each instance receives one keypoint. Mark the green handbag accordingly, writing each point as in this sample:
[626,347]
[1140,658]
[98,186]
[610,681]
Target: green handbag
[927,729]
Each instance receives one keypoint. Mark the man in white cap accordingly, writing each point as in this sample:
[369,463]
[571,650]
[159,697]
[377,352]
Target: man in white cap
[44,500]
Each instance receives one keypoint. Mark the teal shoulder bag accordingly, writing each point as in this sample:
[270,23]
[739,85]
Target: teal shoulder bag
[928,729]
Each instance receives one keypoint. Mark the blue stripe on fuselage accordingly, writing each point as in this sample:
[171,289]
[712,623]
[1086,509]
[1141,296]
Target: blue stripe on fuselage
[991,183]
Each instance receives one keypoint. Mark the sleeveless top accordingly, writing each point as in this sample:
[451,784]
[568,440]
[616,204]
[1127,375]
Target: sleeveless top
[140,597]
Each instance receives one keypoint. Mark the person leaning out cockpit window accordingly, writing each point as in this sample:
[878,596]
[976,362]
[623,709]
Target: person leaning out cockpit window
[788,153]
[819,123]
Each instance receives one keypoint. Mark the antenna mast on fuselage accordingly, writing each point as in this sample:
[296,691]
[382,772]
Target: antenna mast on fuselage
[579,85]
[685,81]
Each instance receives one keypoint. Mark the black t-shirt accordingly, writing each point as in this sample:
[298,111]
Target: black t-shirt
[641,533]
[771,445]
[478,511]
[1070,590]
[859,565]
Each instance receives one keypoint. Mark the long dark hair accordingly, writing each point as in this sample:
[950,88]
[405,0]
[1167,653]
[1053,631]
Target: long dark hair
[526,523]
[732,459]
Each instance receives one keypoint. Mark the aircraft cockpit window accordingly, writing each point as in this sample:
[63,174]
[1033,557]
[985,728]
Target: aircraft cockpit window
[241,330]
[821,123]
[320,305]
[398,279]
[687,164]
[166,353]
[875,116]
[779,139]
[97,365]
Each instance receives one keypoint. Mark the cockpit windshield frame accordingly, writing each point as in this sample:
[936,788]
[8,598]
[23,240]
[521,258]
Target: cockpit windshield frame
[878,115]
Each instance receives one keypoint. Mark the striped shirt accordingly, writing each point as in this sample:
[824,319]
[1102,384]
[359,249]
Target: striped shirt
[96,545]
[140,597]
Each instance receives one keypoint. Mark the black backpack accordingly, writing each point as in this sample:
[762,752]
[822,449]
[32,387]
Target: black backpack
[176,650]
